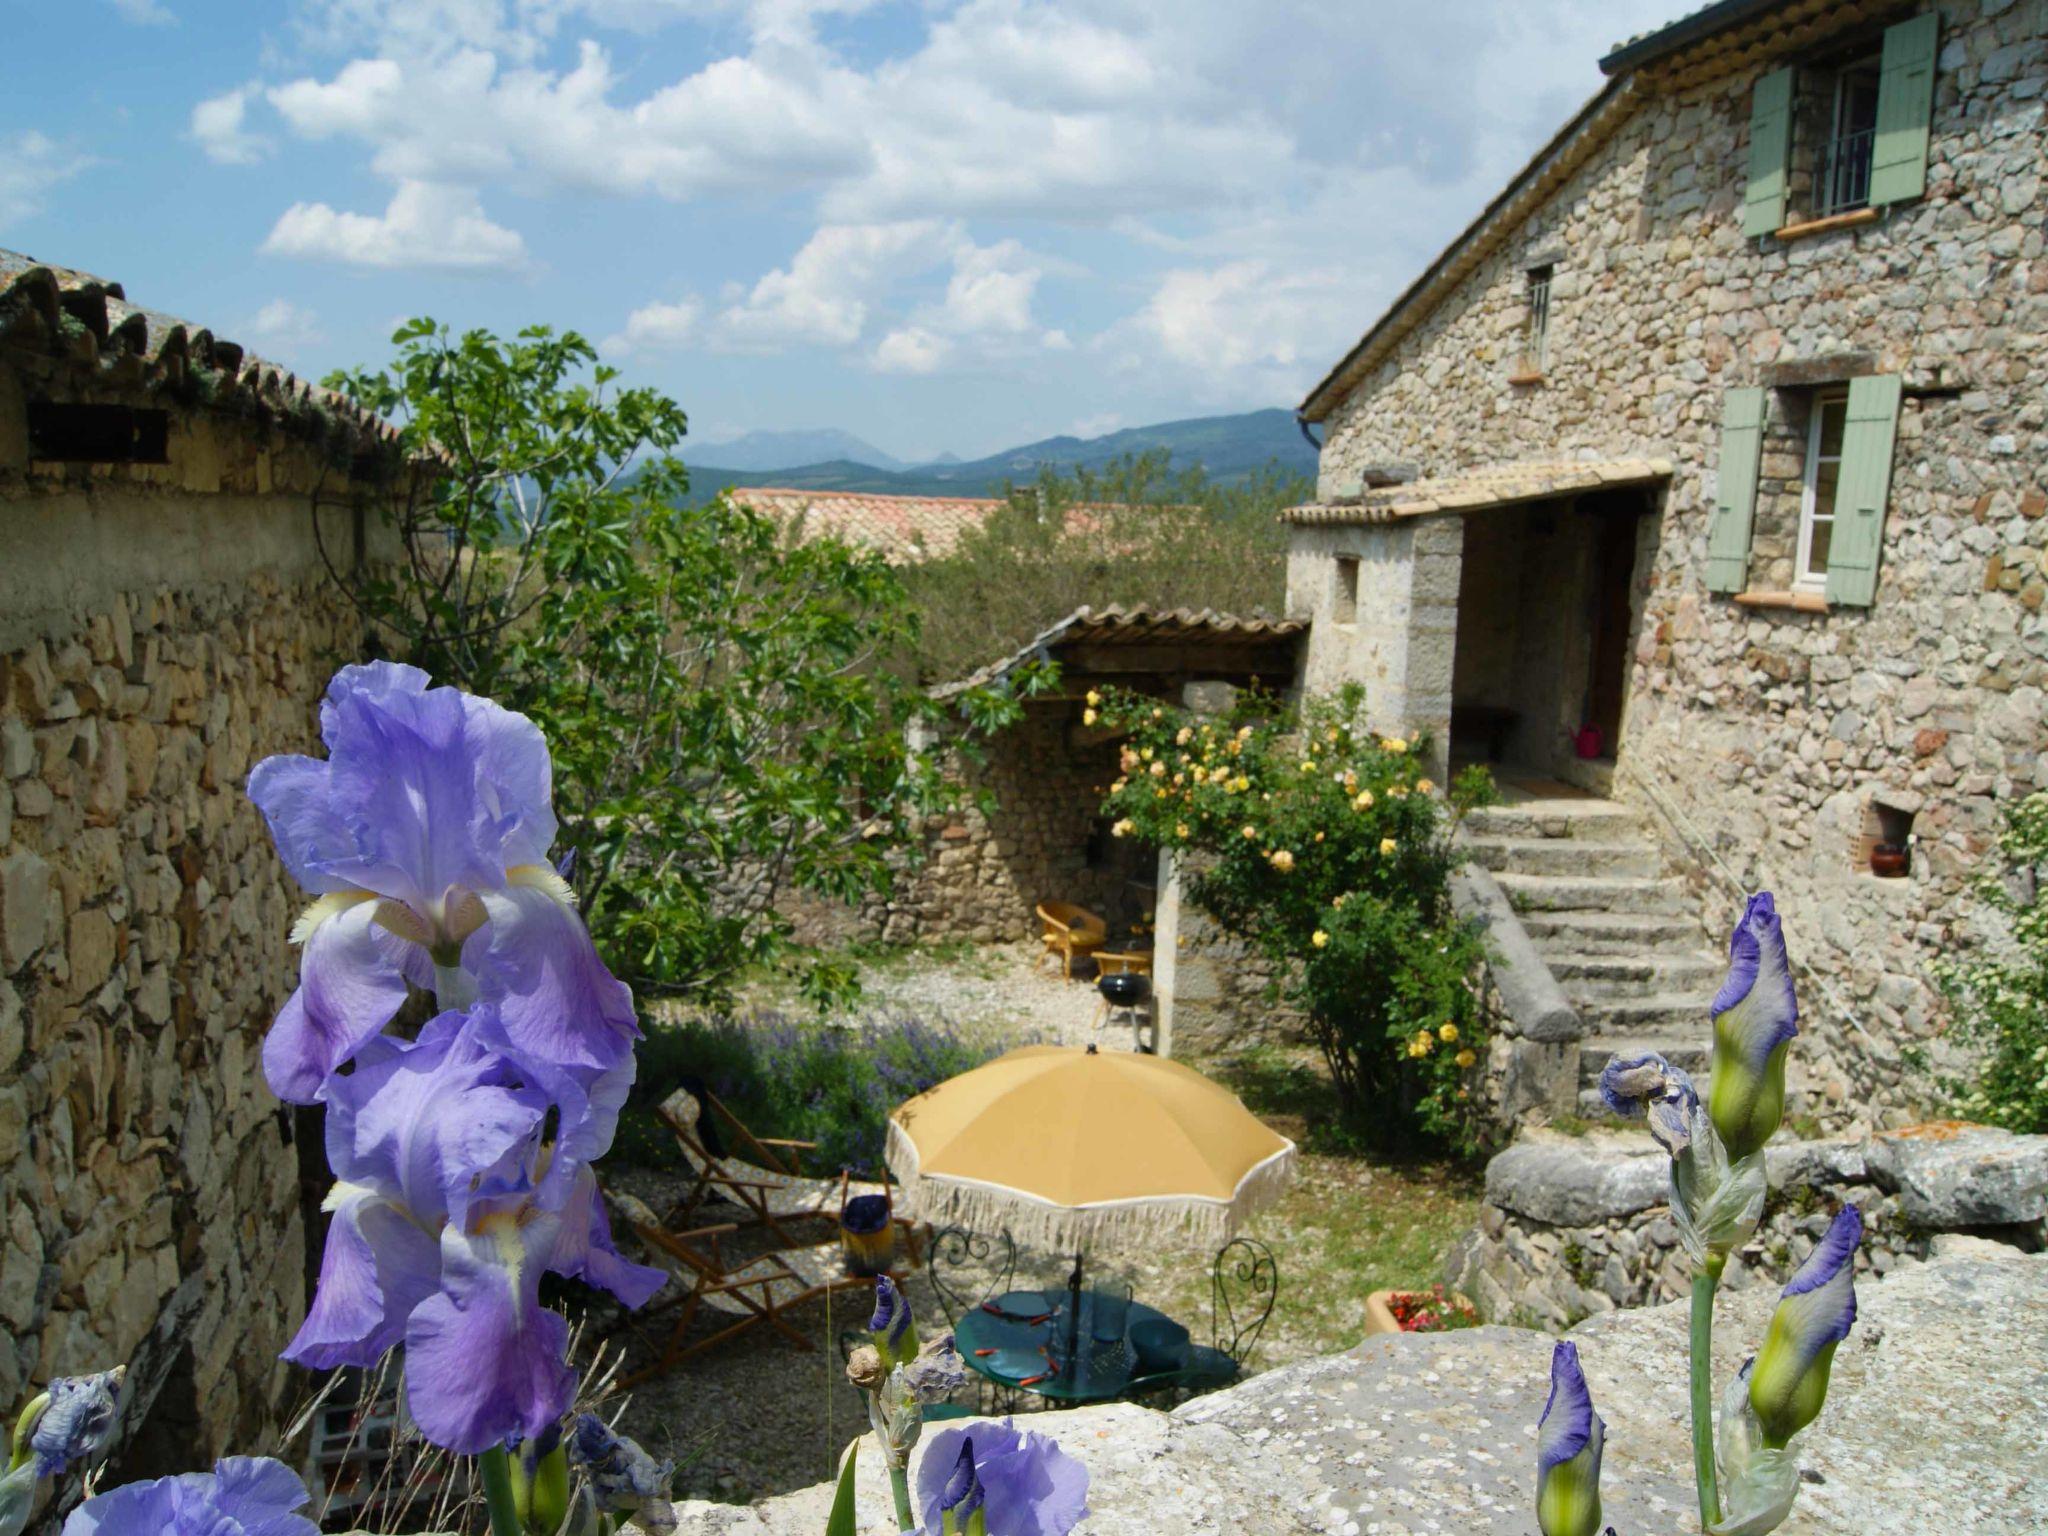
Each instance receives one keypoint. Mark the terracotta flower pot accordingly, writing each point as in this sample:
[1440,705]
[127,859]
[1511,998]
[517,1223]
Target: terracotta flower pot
[1890,860]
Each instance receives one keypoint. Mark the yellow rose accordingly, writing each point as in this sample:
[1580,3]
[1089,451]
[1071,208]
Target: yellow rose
[1244,733]
[1250,832]
[1121,828]
[1308,765]
[1320,939]
[1467,1058]
[1118,785]
[1333,733]
[1424,1045]
[1397,791]
[1146,754]
[1158,770]
[1395,744]
[1186,735]
[1339,902]
[1240,783]
[1364,801]
[1448,1033]
[1387,846]
[1281,860]
[1424,786]
[1094,697]
[1319,837]
[1180,830]
[1087,717]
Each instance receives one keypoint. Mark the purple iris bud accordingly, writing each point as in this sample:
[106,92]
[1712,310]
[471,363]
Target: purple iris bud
[892,1330]
[78,1422]
[1570,1439]
[1648,1085]
[450,1202]
[621,1474]
[1815,1313]
[424,834]
[1755,1018]
[241,1496]
[963,1497]
[1029,1486]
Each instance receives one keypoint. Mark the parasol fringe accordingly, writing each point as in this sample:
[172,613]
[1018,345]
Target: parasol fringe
[1036,1223]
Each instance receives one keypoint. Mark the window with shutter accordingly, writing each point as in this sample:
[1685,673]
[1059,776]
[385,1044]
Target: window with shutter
[1905,110]
[1770,153]
[1862,489]
[1742,438]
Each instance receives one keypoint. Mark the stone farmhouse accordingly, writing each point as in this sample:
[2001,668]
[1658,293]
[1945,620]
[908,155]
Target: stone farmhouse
[1698,486]
[168,622]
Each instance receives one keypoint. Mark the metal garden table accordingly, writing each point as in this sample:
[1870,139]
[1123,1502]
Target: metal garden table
[1018,1348]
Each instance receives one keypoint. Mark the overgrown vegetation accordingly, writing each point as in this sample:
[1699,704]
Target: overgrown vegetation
[1137,531]
[725,718]
[1329,850]
[805,1079]
[2000,992]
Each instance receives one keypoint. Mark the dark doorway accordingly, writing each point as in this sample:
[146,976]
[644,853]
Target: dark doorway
[1609,598]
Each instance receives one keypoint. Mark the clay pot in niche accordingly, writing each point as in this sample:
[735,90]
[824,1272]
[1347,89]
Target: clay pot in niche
[1889,860]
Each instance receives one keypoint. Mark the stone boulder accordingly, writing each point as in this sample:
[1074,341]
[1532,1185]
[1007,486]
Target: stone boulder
[1950,1175]
[1933,1422]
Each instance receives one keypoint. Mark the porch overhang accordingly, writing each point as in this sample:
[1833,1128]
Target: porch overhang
[1476,490]
[1131,645]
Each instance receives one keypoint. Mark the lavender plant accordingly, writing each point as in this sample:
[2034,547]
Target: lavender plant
[1747,1483]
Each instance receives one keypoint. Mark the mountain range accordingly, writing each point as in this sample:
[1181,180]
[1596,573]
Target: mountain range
[1229,448]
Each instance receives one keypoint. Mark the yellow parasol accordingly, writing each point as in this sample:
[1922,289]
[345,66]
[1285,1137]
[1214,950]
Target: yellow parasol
[1068,1148]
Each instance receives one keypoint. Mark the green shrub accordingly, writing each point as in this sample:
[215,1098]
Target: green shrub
[1327,848]
[2000,993]
[803,1079]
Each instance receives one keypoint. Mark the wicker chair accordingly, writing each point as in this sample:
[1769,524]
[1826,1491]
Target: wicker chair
[1071,933]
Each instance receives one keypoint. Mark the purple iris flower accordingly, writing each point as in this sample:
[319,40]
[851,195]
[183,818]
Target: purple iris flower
[1029,1486]
[424,835]
[1570,1439]
[78,1421]
[1649,1085]
[241,1496]
[1755,1019]
[449,1203]
[1815,1313]
[892,1330]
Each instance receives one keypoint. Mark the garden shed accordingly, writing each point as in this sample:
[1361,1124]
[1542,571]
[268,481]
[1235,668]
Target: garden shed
[1031,827]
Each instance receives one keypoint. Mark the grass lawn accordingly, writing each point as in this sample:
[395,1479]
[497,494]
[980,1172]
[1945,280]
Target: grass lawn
[1352,1223]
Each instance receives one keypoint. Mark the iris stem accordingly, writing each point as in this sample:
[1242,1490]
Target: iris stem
[1703,1286]
[495,1468]
[899,1484]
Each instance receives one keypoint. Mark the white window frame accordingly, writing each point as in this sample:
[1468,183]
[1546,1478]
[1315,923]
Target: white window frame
[1804,578]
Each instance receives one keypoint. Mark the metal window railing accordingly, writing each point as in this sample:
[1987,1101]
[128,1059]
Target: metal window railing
[1536,335]
[1845,172]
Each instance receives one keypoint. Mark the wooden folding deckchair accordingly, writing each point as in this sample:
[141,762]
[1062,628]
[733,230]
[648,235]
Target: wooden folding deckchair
[1071,933]
[753,1293]
[772,1191]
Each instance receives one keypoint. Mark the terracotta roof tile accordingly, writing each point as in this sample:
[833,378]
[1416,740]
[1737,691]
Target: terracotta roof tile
[1493,485]
[903,529]
[80,321]
[1117,625]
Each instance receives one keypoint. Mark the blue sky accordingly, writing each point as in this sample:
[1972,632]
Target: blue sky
[939,225]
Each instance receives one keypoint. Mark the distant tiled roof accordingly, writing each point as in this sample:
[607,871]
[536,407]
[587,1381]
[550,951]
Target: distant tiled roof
[1495,485]
[903,529]
[1146,626]
[73,320]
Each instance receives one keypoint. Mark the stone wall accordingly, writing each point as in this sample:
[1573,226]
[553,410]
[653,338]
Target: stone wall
[163,628]
[1027,829]
[1575,1226]
[1780,740]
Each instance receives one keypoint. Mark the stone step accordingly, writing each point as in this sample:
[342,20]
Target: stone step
[1608,933]
[1564,856]
[1690,1055]
[1589,893]
[1679,1013]
[1645,973]
[1596,819]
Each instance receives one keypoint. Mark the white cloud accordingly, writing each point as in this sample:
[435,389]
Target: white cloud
[823,296]
[912,349]
[656,327]
[30,165]
[425,225]
[220,124]
[145,13]
[283,326]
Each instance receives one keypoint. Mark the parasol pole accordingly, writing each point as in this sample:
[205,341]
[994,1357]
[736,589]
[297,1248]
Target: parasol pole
[1074,1319]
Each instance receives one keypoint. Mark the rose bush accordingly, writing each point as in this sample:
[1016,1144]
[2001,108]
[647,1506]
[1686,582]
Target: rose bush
[1329,848]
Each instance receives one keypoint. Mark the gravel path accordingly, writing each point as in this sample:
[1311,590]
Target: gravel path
[756,1415]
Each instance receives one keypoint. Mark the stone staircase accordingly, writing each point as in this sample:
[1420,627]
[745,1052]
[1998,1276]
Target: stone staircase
[1588,881]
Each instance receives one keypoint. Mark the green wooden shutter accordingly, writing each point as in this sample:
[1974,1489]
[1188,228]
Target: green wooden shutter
[1866,481]
[1905,107]
[1742,442]
[1770,154]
